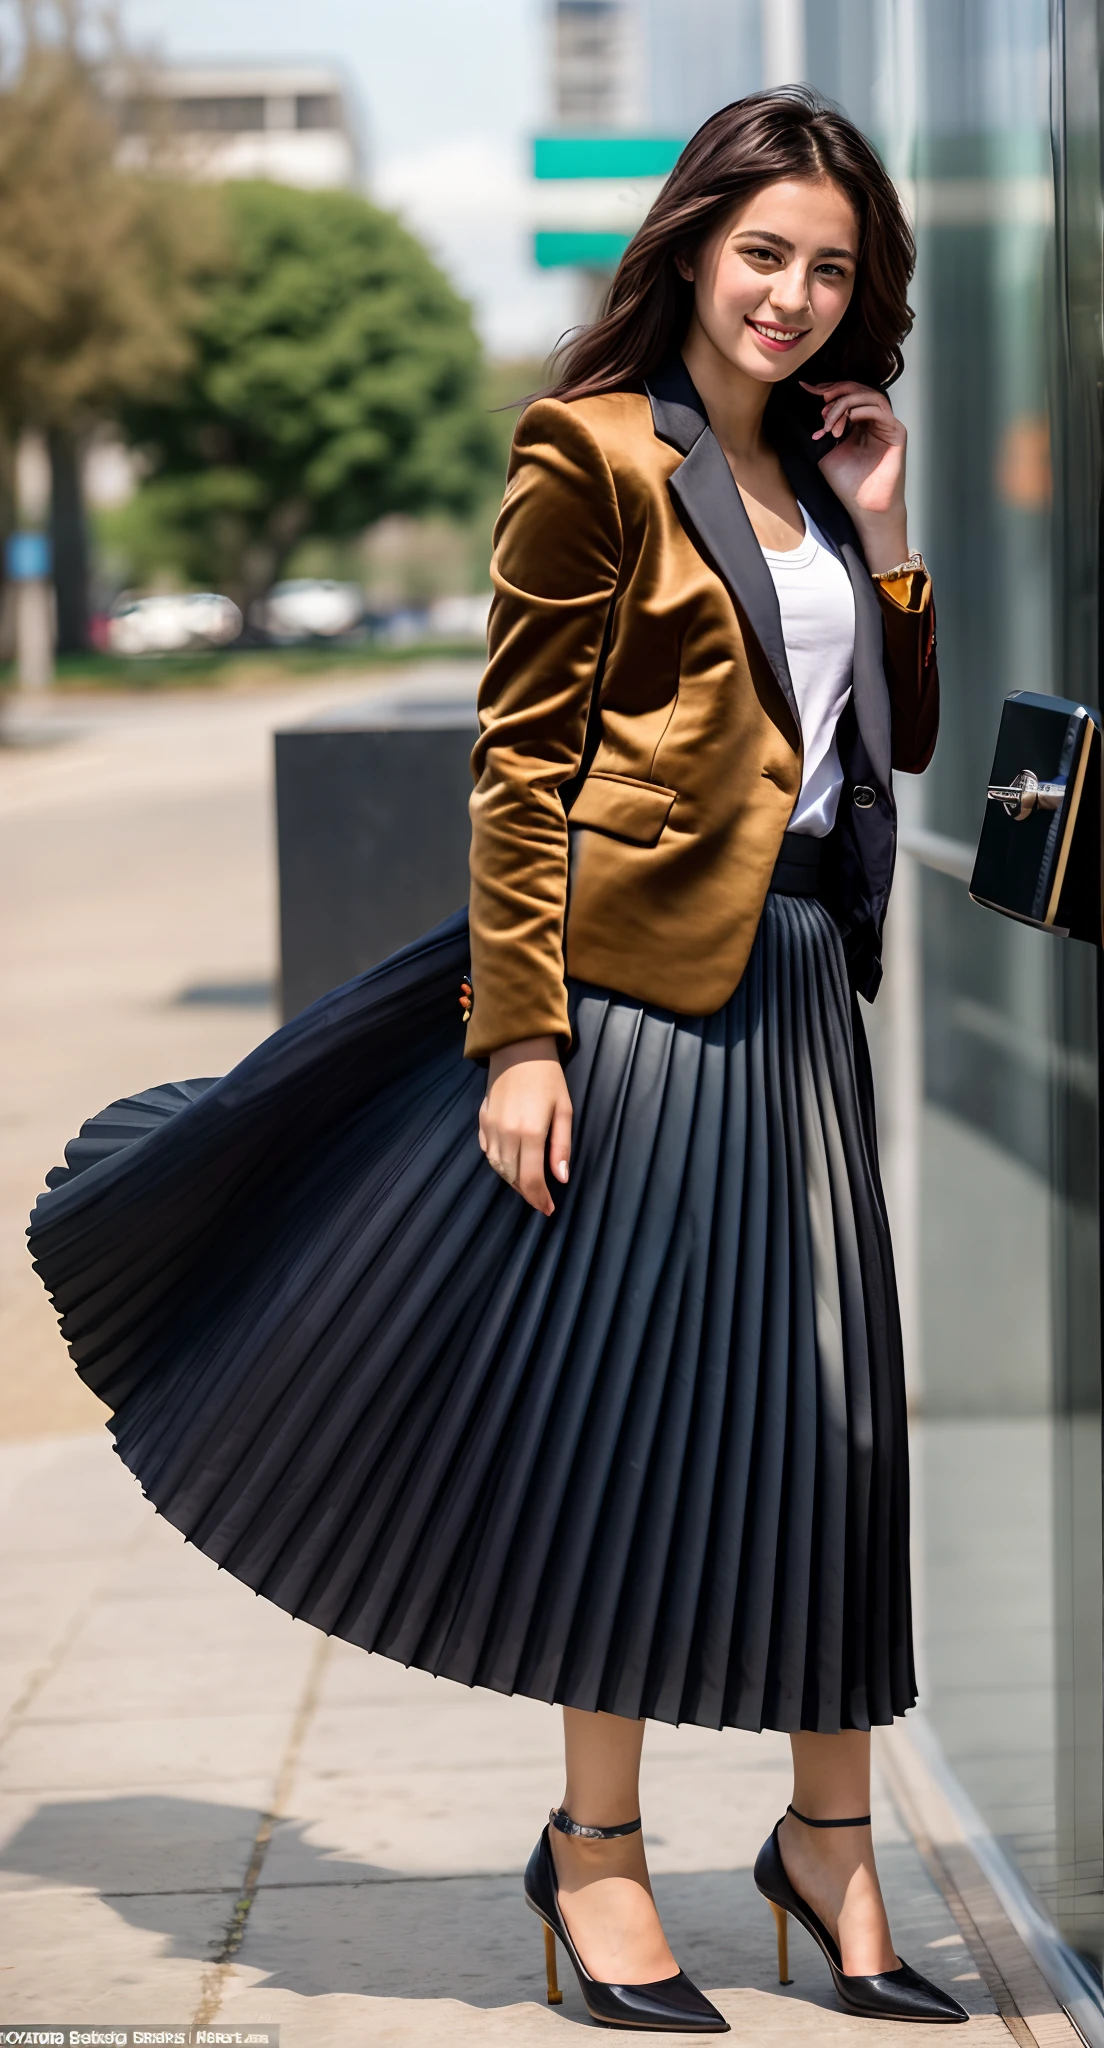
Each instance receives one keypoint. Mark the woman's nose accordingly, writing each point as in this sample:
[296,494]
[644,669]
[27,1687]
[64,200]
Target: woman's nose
[790,296]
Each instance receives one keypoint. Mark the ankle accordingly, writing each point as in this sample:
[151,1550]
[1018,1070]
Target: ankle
[580,1862]
[822,1818]
[831,1859]
[826,1839]
[597,1816]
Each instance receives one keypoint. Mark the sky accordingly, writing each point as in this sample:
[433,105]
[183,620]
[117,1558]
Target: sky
[449,93]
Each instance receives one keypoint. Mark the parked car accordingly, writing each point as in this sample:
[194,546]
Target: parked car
[460,618]
[172,624]
[447,618]
[308,608]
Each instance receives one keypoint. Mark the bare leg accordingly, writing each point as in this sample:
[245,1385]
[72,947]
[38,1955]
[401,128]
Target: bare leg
[605,1896]
[833,1868]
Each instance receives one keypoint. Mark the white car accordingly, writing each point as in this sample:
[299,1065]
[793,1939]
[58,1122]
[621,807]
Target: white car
[460,618]
[309,608]
[192,621]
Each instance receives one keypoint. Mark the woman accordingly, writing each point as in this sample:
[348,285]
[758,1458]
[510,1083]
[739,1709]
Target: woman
[639,1449]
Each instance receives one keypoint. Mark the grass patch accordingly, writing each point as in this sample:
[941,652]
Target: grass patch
[245,665]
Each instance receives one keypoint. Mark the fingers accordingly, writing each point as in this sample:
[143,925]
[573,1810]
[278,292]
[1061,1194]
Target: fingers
[519,1160]
[843,384]
[845,401]
[497,1146]
[854,404]
[530,1181]
[525,1126]
[849,411]
[559,1140]
[504,1159]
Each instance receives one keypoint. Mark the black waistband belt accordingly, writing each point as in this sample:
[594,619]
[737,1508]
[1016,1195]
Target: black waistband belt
[798,867]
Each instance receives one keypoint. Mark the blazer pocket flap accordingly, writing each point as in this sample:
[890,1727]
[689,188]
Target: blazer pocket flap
[624,808]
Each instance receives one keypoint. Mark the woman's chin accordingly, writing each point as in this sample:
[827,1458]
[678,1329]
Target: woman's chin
[766,369]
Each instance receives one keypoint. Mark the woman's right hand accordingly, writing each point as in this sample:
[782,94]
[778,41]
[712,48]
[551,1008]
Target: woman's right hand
[526,1115]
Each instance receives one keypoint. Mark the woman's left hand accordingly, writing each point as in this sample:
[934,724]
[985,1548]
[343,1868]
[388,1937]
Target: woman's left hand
[867,469]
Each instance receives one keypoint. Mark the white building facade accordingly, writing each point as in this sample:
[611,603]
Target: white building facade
[294,124]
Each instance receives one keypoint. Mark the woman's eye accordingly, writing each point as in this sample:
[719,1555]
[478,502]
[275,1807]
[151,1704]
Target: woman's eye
[830,270]
[766,255]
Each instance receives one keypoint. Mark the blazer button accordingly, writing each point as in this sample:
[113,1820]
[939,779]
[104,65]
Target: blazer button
[865,797]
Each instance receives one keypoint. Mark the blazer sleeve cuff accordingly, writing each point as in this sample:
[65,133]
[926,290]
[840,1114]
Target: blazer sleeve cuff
[908,593]
[518,991]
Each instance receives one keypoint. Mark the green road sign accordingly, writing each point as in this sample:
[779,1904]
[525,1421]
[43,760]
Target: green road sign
[605,156]
[590,251]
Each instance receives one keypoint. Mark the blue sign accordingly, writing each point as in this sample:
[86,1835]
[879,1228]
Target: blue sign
[28,557]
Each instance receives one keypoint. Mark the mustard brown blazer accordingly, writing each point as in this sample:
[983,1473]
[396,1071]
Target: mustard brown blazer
[640,747]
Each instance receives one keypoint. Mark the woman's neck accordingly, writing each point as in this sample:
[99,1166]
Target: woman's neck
[734,402]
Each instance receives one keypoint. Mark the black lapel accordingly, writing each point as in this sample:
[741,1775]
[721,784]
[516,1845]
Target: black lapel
[678,414]
[798,453]
[705,491]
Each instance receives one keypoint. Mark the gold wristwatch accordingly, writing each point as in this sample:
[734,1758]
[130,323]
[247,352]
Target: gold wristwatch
[915,561]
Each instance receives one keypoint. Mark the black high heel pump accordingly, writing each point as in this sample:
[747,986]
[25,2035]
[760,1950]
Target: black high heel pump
[673,2006]
[900,1994]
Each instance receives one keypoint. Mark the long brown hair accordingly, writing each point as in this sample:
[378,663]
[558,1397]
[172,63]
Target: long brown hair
[792,133]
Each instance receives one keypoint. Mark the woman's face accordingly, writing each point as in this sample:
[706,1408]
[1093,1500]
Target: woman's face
[772,282]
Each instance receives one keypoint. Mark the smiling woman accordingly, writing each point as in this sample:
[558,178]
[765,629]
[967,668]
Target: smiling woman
[620,1424]
[763,142]
[782,287]
[783,291]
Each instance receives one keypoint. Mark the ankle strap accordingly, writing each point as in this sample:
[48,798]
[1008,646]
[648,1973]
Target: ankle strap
[861,1820]
[564,1824]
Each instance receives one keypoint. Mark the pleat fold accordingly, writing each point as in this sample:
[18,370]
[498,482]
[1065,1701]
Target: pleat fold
[647,1456]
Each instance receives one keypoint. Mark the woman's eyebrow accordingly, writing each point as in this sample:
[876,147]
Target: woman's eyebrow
[780,242]
[764,235]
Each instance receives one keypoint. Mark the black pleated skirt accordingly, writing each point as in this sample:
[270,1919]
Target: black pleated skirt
[648,1455]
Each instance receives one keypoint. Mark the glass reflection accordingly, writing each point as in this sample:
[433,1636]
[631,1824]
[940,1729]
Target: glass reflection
[1009,1333]
[989,117]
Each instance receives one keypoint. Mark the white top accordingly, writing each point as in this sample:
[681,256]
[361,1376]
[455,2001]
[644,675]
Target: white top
[817,605]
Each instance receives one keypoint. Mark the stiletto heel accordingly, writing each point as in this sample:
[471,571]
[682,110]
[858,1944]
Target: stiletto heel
[782,1929]
[672,2006]
[555,1995]
[900,1994]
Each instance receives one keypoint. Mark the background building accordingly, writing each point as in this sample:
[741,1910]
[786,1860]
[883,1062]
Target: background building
[291,123]
[597,74]
[630,80]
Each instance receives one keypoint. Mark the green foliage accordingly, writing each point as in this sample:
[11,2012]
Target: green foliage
[241,668]
[335,378]
[96,262]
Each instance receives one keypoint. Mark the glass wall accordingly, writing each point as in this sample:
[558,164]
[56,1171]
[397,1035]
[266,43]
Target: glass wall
[988,114]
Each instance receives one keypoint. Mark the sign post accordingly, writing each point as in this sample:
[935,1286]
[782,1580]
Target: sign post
[29,566]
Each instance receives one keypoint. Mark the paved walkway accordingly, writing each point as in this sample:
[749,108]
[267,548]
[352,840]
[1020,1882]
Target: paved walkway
[186,1768]
[207,1811]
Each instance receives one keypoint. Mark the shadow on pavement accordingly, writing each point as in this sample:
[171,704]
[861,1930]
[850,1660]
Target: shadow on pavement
[349,1927]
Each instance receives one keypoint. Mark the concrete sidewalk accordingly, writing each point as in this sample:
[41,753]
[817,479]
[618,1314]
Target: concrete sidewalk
[210,1812]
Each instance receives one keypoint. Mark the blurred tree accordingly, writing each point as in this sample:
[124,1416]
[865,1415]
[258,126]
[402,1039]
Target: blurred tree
[95,263]
[336,377]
